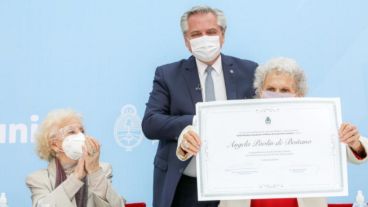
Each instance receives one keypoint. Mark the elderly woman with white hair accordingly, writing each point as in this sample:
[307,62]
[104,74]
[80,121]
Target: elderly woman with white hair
[282,77]
[75,177]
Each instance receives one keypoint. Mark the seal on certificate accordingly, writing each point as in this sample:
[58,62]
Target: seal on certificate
[268,120]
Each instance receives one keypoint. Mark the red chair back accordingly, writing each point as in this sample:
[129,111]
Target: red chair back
[135,205]
[340,205]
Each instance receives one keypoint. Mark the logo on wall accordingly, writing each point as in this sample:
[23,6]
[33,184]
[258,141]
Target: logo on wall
[127,130]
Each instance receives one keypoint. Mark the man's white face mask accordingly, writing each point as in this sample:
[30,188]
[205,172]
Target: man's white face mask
[205,48]
[72,145]
[271,94]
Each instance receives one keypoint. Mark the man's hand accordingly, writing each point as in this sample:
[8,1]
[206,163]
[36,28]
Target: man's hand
[191,142]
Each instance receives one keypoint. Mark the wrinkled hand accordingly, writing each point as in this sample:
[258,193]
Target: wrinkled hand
[79,170]
[91,155]
[349,135]
[190,143]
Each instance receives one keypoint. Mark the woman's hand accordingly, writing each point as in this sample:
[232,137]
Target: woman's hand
[79,170]
[92,155]
[349,135]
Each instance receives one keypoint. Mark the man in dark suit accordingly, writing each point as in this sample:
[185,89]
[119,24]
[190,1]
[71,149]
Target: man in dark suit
[208,75]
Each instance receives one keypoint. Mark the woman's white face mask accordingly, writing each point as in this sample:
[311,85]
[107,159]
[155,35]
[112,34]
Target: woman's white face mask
[271,94]
[72,145]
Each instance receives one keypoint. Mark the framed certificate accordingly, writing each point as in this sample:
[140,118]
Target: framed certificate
[270,148]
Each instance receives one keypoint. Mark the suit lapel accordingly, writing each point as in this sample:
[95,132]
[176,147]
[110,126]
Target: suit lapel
[52,177]
[191,77]
[230,72]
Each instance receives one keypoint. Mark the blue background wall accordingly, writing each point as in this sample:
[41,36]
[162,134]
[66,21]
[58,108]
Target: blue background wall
[98,56]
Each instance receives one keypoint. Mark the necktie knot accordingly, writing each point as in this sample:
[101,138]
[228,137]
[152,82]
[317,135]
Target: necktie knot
[209,69]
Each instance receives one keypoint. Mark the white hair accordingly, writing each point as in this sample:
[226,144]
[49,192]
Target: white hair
[281,65]
[221,19]
[47,130]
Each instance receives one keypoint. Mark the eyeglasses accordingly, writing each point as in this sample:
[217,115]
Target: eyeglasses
[68,130]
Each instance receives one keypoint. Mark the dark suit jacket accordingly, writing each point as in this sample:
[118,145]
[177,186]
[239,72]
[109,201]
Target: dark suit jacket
[171,107]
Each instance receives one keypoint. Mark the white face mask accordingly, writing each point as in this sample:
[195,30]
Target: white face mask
[271,94]
[72,146]
[205,48]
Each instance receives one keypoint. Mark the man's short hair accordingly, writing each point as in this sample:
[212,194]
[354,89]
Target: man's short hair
[221,19]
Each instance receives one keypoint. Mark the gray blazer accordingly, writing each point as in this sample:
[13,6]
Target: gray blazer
[100,192]
[305,202]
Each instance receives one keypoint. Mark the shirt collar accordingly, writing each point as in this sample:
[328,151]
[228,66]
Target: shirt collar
[203,66]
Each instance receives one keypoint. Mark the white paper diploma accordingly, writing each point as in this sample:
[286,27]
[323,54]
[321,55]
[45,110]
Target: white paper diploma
[270,148]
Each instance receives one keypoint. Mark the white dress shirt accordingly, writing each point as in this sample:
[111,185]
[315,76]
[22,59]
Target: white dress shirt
[220,95]
[217,77]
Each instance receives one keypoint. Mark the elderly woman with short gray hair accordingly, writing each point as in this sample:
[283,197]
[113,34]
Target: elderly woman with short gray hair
[74,177]
[282,77]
